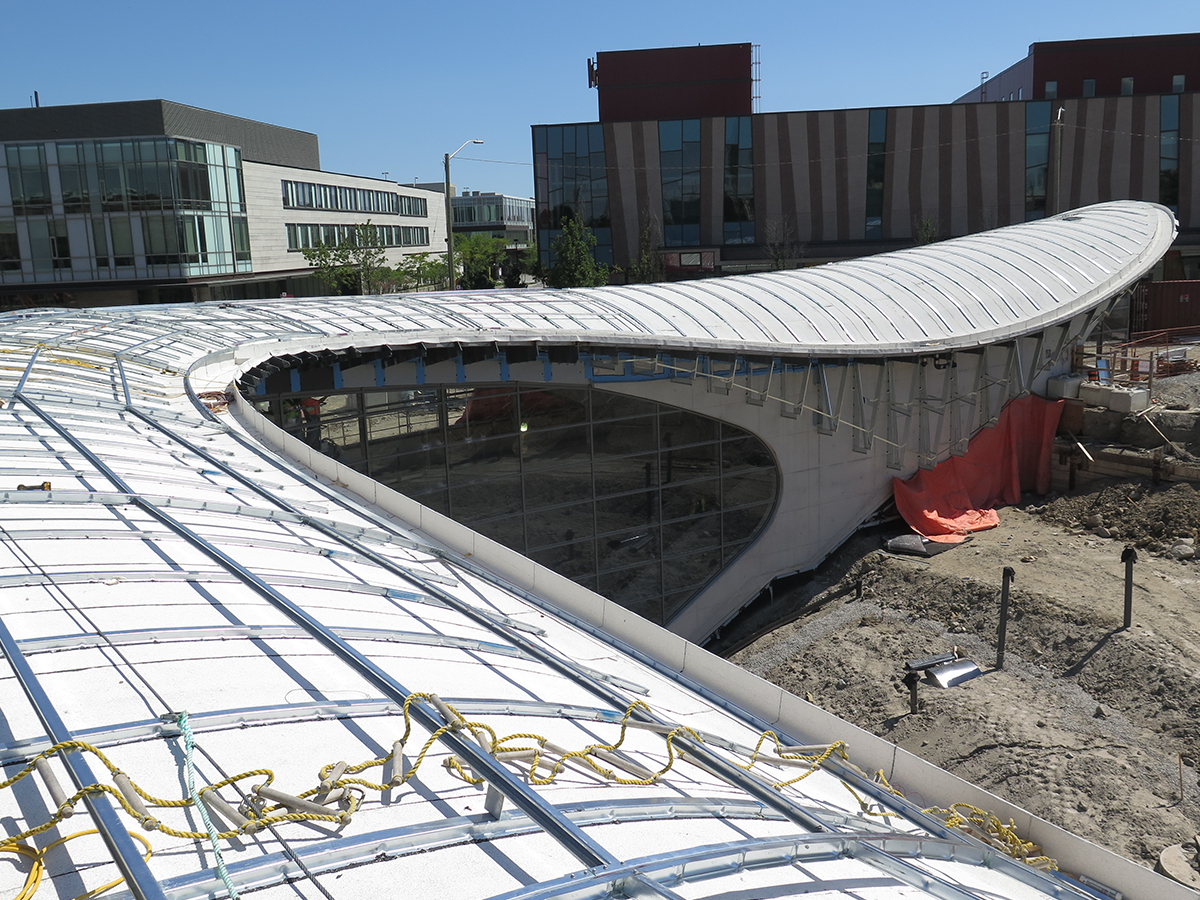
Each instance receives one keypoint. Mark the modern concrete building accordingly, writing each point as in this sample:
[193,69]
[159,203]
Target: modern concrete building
[718,193]
[149,201]
[298,681]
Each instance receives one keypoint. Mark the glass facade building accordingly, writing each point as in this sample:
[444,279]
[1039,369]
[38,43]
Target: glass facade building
[642,502]
[571,180]
[121,209]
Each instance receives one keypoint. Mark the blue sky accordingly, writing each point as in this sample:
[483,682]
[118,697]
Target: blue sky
[392,86]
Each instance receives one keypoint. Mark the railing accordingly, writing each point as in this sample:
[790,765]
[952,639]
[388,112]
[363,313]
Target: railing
[1141,361]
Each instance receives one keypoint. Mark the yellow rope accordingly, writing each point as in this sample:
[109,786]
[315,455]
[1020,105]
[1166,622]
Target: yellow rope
[34,877]
[958,815]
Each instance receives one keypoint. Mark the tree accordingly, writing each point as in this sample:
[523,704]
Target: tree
[358,264]
[648,268]
[574,264]
[925,229]
[783,249]
[421,271]
[479,254]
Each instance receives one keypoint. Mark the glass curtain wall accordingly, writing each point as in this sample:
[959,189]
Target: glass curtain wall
[182,203]
[876,157]
[739,181]
[640,501]
[571,180]
[679,162]
[1168,151]
[1037,158]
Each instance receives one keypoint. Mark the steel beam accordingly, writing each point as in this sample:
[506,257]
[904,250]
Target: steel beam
[124,852]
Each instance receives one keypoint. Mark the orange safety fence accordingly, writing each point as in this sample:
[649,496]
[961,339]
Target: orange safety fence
[960,495]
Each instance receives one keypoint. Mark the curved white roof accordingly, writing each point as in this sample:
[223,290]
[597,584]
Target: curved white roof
[155,559]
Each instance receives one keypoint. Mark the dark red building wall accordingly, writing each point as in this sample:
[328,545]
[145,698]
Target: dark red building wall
[1151,61]
[675,83]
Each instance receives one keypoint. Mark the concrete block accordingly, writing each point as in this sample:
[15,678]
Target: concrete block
[1061,386]
[1115,398]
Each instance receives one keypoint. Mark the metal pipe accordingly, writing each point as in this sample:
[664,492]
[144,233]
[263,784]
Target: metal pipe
[1129,557]
[216,804]
[57,794]
[1009,576]
[120,845]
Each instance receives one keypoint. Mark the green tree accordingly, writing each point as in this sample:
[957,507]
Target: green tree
[421,271]
[648,268]
[479,255]
[355,265]
[574,263]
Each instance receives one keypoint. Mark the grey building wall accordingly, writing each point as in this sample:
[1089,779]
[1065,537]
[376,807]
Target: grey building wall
[147,118]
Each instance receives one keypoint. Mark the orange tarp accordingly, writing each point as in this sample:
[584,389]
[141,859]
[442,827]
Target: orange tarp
[959,496]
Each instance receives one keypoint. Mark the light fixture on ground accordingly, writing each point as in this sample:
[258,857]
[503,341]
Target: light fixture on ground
[450,216]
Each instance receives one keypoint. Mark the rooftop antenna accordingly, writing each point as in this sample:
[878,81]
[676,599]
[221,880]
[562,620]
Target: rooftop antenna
[983,77]
[37,101]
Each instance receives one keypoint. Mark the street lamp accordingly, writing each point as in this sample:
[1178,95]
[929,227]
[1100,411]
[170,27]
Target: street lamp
[450,216]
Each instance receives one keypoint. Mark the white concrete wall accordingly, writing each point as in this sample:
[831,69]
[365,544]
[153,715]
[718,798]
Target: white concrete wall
[267,216]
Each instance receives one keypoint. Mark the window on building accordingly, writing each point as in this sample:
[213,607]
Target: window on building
[73,177]
[1127,86]
[1177,83]
[28,179]
[1168,151]
[1051,90]
[161,236]
[100,244]
[876,157]
[1089,87]
[48,244]
[122,241]
[571,180]
[679,164]
[10,248]
[1020,93]
[1037,158]
[739,181]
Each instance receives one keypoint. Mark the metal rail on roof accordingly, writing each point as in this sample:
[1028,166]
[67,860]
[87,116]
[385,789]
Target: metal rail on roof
[698,863]
[124,852]
[425,836]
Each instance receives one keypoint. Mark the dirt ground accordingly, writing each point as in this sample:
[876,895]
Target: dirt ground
[1087,723]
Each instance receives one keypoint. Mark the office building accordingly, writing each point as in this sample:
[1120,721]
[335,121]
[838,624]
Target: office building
[494,215]
[151,201]
[718,191]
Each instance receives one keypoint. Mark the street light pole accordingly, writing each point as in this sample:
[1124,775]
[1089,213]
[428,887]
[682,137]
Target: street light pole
[450,217]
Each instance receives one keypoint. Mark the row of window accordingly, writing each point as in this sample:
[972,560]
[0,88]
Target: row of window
[303,237]
[307,195]
[1178,86]
[213,241]
[124,176]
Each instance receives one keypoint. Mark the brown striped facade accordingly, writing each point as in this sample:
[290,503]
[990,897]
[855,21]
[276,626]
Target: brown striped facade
[953,169]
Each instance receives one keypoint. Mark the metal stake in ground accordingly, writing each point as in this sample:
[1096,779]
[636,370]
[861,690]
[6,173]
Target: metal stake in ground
[1129,557]
[912,679]
[1002,631]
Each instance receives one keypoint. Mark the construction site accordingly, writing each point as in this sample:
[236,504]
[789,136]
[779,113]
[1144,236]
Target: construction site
[1088,723]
